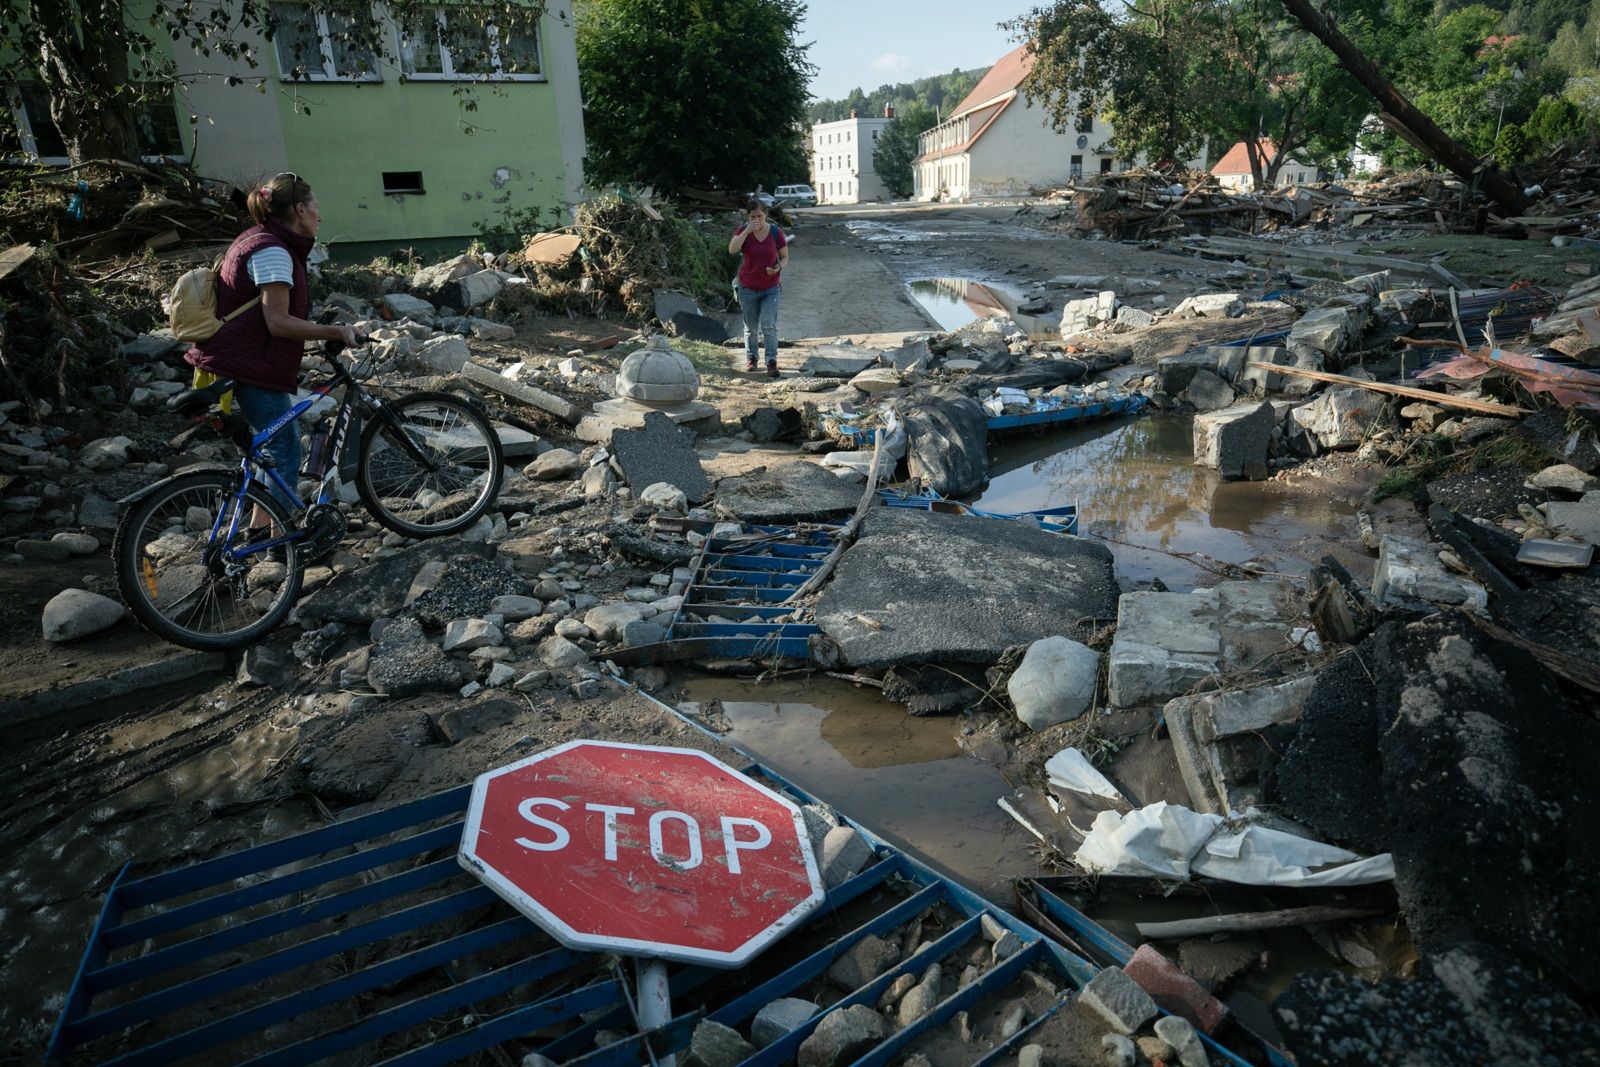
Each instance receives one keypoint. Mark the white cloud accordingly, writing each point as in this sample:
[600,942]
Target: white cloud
[891,63]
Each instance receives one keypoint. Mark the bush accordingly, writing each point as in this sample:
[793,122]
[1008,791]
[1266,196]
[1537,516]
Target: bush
[1554,120]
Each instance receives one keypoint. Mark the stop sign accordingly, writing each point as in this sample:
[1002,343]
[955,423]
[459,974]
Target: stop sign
[662,852]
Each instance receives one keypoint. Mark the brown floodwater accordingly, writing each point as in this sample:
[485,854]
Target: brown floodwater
[901,776]
[1134,481]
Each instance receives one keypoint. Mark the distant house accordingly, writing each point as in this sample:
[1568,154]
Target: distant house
[382,137]
[1233,169]
[997,143]
[842,153]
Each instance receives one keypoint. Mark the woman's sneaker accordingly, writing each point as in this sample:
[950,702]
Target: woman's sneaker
[772,369]
[750,363]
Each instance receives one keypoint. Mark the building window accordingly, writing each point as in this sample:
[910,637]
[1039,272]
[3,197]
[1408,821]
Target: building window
[1105,165]
[314,46]
[1086,122]
[402,183]
[434,49]
[1077,166]
[34,134]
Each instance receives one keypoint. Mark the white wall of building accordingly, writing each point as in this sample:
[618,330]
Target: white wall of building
[239,136]
[1018,152]
[1293,172]
[842,153]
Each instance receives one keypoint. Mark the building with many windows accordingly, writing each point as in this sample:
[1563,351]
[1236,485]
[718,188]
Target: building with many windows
[997,143]
[387,138]
[842,153]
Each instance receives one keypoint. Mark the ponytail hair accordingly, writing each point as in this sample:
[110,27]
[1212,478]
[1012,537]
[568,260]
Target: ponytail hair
[276,198]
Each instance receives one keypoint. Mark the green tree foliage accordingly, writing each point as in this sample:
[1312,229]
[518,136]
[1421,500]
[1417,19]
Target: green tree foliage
[694,93]
[897,147]
[98,62]
[939,94]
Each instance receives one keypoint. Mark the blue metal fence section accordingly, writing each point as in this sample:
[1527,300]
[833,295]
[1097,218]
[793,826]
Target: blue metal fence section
[425,970]
[736,596]
[1061,519]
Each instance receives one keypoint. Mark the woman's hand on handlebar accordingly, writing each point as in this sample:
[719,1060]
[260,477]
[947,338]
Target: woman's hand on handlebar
[349,337]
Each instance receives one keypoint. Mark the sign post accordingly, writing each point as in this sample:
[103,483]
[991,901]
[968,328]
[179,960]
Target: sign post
[666,854]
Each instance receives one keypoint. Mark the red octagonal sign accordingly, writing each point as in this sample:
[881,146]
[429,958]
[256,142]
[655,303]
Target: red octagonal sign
[662,852]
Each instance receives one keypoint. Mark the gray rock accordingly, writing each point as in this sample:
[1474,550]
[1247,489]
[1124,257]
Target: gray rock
[405,306]
[42,551]
[557,652]
[607,620]
[1409,572]
[1340,418]
[264,666]
[598,481]
[514,607]
[666,498]
[1208,392]
[1579,518]
[444,355]
[864,961]
[1566,478]
[843,1037]
[947,588]
[922,998]
[480,288]
[779,1018]
[1055,682]
[1180,1034]
[78,544]
[352,758]
[554,465]
[76,613]
[660,451]
[1234,440]
[1031,1056]
[844,853]
[1174,373]
[574,630]
[464,635]
[875,380]
[716,1045]
[527,683]
[636,634]
[1118,1001]
[1118,1051]
[501,674]
[465,589]
[1008,945]
[405,663]
[1210,306]
[785,492]
[947,444]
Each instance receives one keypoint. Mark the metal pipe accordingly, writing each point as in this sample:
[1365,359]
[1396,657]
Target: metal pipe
[655,1002]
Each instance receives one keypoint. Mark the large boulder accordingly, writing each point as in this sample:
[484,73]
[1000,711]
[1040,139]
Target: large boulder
[75,613]
[947,444]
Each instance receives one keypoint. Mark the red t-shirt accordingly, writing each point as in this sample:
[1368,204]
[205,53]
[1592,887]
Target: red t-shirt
[758,256]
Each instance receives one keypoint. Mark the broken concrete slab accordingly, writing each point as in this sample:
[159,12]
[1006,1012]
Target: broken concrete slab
[1233,441]
[1258,381]
[670,302]
[698,327]
[660,452]
[1174,373]
[1410,575]
[786,492]
[1166,643]
[379,588]
[839,361]
[1577,518]
[1339,418]
[1207,392]
[564,410]
[1219,766]
[957,588]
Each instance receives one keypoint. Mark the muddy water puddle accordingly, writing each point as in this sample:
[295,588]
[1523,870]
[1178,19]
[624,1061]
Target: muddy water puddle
[955,302]
[1135,482]
[901,776]
[943,229]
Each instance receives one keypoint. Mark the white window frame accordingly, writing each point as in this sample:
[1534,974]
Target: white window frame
[329,72]
[448,74]
[30,143]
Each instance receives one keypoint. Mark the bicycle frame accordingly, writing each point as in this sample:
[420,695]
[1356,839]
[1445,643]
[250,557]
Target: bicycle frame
[255,458]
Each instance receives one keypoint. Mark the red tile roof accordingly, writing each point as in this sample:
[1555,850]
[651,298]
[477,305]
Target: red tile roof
[1237,161]
[1002,78]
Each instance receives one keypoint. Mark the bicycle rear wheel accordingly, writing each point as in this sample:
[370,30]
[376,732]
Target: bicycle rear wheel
[175,575]
[430,466]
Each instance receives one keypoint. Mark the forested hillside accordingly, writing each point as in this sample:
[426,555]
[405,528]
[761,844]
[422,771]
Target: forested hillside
[938,93]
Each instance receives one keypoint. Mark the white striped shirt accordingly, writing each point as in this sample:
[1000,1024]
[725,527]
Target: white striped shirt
[269,265]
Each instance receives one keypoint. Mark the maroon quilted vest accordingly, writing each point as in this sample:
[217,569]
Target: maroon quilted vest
[244,349]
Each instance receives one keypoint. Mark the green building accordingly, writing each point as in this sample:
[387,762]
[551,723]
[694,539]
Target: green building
[414,144]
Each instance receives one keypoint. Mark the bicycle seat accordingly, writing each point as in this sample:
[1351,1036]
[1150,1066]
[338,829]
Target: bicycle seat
[197,401]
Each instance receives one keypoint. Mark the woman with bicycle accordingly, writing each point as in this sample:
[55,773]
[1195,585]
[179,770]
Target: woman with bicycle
[260,349]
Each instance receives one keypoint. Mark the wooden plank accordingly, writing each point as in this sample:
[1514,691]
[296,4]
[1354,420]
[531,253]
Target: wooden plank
[14,257]
[1482,407]
[1207,925]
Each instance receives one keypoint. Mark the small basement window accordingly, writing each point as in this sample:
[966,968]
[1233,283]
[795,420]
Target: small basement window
[402,182]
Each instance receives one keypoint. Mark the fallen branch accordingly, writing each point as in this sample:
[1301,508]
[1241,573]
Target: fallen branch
[847,535]
[1241,922]
[1482,407]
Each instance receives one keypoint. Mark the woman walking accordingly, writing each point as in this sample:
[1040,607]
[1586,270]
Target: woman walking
[765,252]
[264,273]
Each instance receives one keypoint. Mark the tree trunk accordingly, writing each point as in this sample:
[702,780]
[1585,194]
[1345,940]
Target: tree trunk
[83,64]
[1424,133]
[1252,150]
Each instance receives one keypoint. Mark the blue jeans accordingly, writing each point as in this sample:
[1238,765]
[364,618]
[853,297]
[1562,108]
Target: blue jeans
[261,408]
[760,307]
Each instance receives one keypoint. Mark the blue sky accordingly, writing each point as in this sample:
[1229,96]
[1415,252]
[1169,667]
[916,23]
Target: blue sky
[867,43]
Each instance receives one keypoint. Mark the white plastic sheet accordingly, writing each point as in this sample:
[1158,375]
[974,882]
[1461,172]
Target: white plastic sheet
[1169,841]
[893,445]
[1071,769]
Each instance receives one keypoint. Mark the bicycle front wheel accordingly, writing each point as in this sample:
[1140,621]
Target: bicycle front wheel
[176,573]
[430,465]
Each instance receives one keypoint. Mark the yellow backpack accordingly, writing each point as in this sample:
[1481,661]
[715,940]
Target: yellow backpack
[192,306]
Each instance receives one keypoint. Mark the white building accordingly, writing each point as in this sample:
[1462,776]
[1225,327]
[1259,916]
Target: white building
[842,152]
[1233,169]
[997,143]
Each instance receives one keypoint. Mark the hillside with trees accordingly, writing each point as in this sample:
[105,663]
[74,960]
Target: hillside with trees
[938,94]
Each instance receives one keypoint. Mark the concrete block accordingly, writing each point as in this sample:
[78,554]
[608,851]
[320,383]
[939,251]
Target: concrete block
[1234,440]
[779,1018]
[1174,373]
[1117,1001]
[1409,572]
[1256,380]
[844,853]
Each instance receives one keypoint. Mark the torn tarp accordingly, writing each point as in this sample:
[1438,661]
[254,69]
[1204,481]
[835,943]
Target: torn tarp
[1169,841]
[1568,386]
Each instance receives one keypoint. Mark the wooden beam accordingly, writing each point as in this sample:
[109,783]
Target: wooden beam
[1482,407]
[1239,922]
[1326,257]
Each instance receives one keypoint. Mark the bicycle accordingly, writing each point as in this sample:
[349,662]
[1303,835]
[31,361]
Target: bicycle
[189,565]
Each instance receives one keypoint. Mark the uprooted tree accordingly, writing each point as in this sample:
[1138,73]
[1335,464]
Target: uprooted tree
[99,61]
